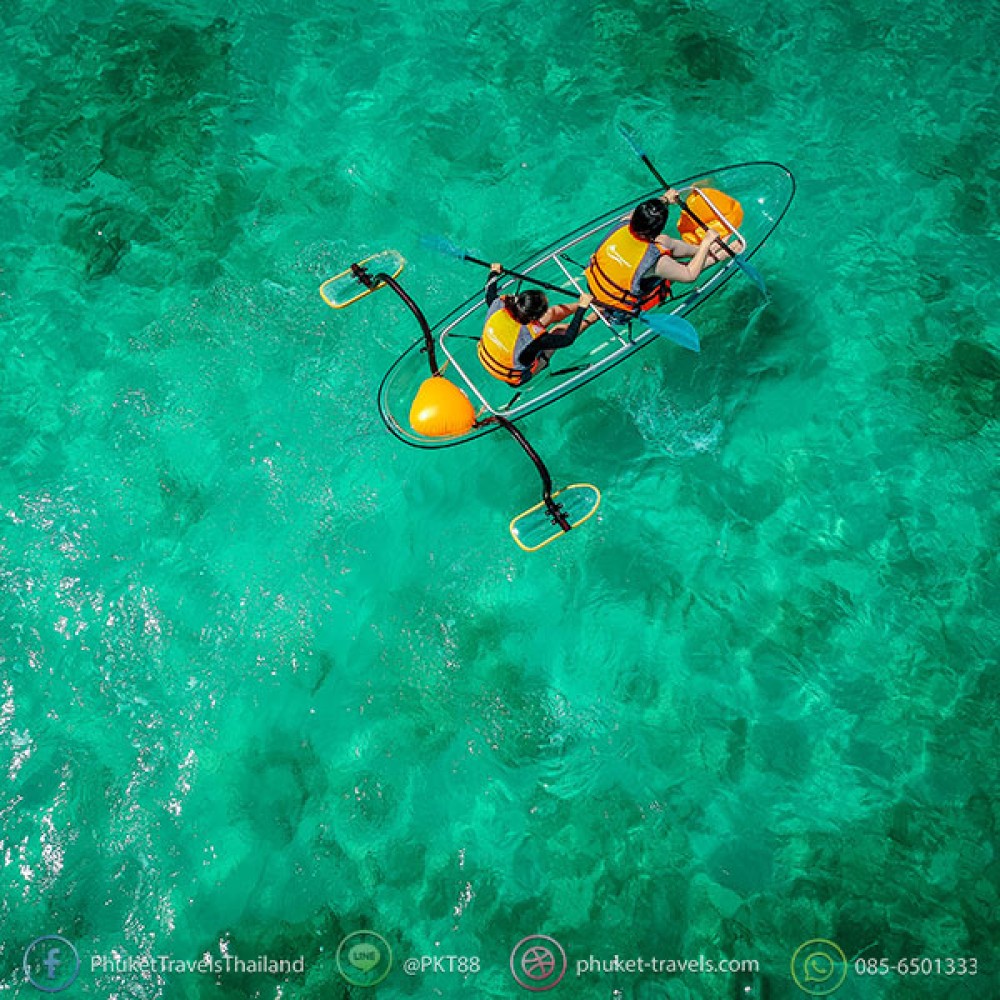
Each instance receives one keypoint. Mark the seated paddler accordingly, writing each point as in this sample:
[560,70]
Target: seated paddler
[633,268]
[516,342]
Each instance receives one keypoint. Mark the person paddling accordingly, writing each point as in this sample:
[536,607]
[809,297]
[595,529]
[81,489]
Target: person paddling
[516,342]
[632,270]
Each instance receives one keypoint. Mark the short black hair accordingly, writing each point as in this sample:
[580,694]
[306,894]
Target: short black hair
[527,306]
[648,219]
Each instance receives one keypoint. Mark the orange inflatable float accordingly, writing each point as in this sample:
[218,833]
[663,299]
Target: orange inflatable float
[709,205]
[440,409]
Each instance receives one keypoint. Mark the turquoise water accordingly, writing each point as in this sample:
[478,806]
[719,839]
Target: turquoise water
[268,677]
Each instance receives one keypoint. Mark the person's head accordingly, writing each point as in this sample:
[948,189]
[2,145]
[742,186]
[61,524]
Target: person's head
[648,219]
[527,307]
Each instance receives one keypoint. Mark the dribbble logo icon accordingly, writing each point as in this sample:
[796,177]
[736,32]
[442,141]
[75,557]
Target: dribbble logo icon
[51,963]
[538,963]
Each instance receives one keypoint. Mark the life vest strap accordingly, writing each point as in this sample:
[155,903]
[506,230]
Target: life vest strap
[512,376]
[628,301]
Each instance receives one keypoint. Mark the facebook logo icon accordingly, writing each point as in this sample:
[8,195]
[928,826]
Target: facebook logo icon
[51,963]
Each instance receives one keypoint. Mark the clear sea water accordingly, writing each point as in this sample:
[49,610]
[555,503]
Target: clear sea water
[268,677]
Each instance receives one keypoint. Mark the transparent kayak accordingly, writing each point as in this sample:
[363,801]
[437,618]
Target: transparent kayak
[763,188]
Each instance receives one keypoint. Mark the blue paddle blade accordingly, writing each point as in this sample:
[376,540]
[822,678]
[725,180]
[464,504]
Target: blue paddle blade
[440,244]
[629,136]
[674,328]
[753,274]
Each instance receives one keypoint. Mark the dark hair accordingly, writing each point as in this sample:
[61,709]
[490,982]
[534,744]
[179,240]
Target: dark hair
[648,219]
[527,306]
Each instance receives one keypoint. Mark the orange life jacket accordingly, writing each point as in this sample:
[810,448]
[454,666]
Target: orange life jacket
[616,272]
[502,341]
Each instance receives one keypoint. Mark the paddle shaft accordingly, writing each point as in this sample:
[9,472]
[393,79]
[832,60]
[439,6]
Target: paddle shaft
[684,205]
[523,277]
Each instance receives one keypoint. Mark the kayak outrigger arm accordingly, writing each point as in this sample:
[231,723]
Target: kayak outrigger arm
[550,519]
[373,281]
[553,509]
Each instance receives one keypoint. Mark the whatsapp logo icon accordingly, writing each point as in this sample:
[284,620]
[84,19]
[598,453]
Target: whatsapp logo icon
[819,967]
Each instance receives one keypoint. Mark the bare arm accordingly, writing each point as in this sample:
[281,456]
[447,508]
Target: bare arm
[491,285]
[677,248]
[552,340]
[674,270]
[681,248]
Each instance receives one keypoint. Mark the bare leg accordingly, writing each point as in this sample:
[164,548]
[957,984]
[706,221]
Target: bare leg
[588,320]
[555,313]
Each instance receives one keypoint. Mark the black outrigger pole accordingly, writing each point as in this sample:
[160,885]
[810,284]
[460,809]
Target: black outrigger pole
[373,281]
[555,512]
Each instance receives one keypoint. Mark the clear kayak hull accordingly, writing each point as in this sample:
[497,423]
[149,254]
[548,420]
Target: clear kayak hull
[764,189]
